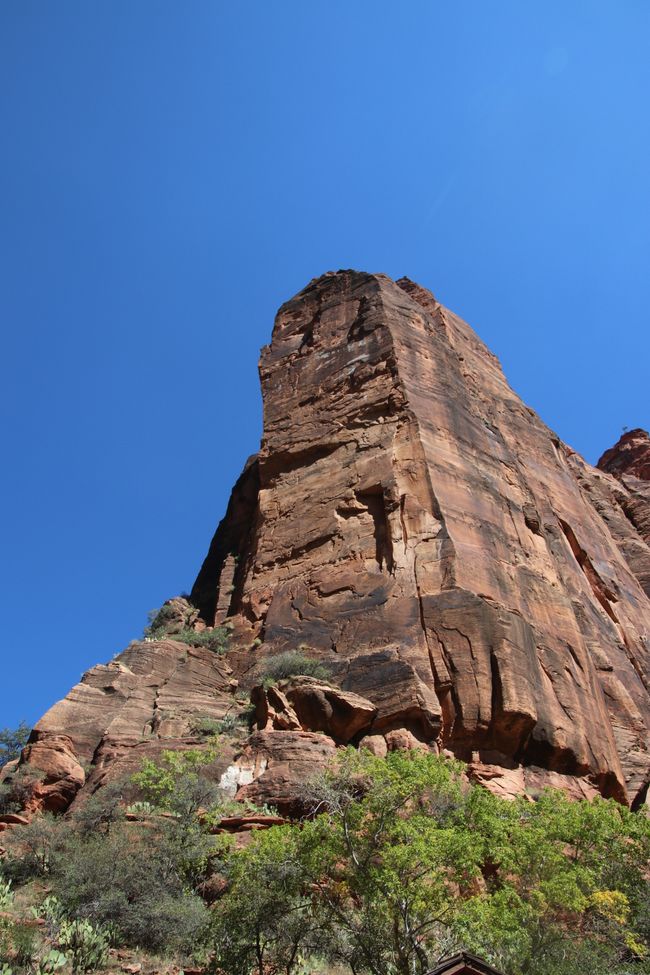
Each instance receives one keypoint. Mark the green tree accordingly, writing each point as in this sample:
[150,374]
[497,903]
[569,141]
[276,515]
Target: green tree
[265,927]
[405,862]
[178,783]
[12,742]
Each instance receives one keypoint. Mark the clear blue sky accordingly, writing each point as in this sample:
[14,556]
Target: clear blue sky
[171,172]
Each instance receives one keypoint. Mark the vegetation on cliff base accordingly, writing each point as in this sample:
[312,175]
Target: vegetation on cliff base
[401,864]
[406,864]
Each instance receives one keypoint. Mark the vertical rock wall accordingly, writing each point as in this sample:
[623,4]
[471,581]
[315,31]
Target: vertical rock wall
[420,528]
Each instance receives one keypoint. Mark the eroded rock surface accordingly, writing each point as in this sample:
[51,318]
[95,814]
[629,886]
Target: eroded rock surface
[412,522]
[472,584]
[148,698]
[280,764]
[308,704]
[629,462]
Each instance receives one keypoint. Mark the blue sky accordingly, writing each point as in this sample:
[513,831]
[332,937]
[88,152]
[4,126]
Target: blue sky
[171,172]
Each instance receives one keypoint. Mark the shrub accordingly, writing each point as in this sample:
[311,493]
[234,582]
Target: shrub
[215,639]
[177,784]
[137,880]
[205,726]
[103,809]
[170,622]
[33,849]
[292,663]
[18,788]
[24,945]
[161,620]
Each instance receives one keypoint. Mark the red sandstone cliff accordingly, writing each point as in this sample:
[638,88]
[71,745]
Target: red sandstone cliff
[474,585]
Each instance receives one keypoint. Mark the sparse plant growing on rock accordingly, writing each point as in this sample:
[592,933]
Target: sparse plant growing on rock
[292,663]
[215,639]
[175,621]
[159,621]
[205,726]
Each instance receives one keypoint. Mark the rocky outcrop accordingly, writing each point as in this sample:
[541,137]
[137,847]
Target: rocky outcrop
[148,698]
[630,457]
[473,586]
[418,527]
[308,704]
[280,763]
[629,463]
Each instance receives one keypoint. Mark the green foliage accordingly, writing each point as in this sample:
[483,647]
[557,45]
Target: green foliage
[103,809]
[406,863]
[18,787]
[172,622]
[262,926]
[6,895]
[177,784]
[51,962]
[204,726]
[85,945]
[401,863]
[160,621]
[12,742]
[138,881]
[141,808]
[33,849]
[291,663]
[50,910]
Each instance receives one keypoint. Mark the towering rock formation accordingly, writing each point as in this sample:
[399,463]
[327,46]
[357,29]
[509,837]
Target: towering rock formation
[473,584]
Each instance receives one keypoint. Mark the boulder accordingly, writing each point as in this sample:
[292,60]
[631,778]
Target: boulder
[310,704]
[281,764]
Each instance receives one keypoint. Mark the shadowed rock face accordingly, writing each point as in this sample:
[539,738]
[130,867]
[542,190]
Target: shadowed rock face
[472,584]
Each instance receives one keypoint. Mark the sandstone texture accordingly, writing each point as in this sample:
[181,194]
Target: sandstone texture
[629,462]
[149,698]
[412,522]
[308,704]
[472,585]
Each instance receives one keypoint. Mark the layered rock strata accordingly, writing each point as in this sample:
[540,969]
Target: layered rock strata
[473,586]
